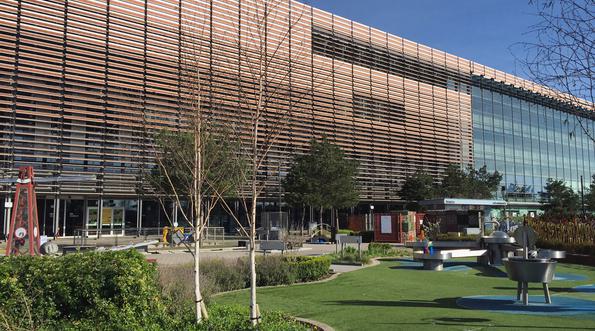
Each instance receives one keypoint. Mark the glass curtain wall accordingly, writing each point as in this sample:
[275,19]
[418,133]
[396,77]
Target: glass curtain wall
[529,142]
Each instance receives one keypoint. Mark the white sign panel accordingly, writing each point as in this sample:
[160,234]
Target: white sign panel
[386,224]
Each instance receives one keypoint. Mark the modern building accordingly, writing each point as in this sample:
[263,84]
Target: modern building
[84,83]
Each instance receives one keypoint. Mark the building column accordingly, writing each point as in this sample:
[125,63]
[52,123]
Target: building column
[99,216]
[64,218]
[139,215]
[56,221]
[7,213]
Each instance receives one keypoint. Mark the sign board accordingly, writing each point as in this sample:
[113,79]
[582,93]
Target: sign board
[350,239]
[106,216]
[386,224]
[474,202]
[338,236]
[8,204]
[269,245]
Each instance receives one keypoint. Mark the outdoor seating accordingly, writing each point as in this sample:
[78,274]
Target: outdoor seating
[436,260]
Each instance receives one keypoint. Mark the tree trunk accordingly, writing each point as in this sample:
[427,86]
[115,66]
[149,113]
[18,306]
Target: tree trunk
[321,223]
[253,307]
[198,304]
[302,222]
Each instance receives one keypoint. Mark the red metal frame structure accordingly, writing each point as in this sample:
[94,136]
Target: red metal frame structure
[23,235]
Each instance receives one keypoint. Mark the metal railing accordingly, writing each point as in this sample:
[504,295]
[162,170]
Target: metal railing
[214,233]
[116,237]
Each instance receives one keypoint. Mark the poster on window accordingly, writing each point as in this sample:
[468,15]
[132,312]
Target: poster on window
[386,224]
[106,217]
[118,217]
[92,217]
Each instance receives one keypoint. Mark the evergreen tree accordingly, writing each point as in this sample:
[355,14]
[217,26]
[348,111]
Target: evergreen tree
[560,200]
[417,187]
[323,178]
[469,183]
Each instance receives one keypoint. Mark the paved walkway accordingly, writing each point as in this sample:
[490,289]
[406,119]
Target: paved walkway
[172,257]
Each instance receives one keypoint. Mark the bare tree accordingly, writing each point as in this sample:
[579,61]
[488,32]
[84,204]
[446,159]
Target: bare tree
[561,57]
[265,99]
[197,165]
[257,52]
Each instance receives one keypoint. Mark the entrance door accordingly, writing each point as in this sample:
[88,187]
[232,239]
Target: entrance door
[112,220]
[92,220]
[118,221]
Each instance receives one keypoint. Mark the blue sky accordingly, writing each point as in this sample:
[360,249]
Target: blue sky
[478,30]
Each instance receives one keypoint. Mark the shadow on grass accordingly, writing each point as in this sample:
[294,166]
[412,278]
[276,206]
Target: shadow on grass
[459,319]
[489,271]
[437,303]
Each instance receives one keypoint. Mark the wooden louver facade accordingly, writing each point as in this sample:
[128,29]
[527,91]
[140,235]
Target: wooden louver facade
[83,83]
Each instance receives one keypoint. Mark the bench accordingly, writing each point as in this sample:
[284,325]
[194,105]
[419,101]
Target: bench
[271,245]
[436,261]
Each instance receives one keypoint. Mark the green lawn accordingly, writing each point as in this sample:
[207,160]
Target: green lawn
[386,297]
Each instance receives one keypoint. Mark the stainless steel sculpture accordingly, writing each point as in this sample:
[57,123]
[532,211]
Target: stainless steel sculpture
[533,266]
[497,244]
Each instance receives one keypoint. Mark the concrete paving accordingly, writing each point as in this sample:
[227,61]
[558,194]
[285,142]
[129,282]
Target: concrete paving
[173,257]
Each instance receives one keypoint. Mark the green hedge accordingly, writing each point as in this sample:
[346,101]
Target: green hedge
[285,270]
[272,270]
[456,237]
[307,269]
[235,318]
[119,289]
[379,249]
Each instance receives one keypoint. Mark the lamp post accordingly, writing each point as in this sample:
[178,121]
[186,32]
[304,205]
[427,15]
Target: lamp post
[371,219]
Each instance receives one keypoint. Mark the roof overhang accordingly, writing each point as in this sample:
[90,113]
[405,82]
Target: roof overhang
[464,202]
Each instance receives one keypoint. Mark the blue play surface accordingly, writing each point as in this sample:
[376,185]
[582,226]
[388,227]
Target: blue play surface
[560,306]
[448,266]
[571,277]
[585,288]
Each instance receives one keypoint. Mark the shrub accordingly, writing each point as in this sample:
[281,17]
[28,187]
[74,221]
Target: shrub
[385,250]
[273,270]
[573,235]
[236,318]
[227,275]
[431,228]
[216,275]
[306,269]
[118,288]
[455,237]
[351,255]
[348,255]
[379,249]
[177,282]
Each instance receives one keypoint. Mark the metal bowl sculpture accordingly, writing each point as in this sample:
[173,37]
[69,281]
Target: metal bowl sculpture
[533,266]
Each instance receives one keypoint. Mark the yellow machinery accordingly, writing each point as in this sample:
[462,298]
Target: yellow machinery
[166,234]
